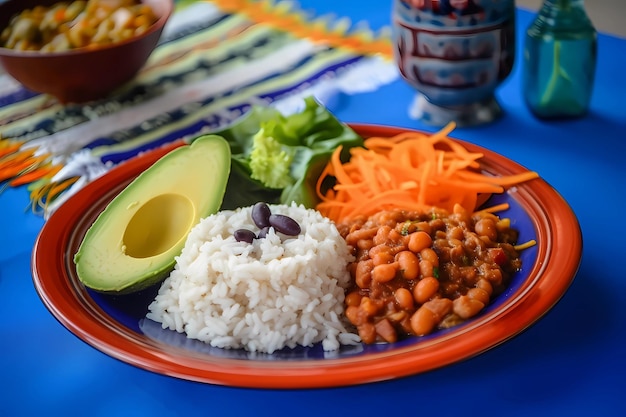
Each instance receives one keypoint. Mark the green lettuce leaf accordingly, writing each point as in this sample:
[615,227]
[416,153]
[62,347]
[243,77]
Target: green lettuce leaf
[278,158]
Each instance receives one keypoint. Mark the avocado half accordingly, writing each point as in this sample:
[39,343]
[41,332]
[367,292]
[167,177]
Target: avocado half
[134,241]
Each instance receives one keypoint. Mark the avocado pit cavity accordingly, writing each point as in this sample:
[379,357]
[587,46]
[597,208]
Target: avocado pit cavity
[158,225]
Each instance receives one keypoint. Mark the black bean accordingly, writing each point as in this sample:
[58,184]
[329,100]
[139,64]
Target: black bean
[244,235]
[261,215]
[285,224]
[263,232]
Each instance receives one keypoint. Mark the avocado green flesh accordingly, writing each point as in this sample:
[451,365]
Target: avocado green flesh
[134,241]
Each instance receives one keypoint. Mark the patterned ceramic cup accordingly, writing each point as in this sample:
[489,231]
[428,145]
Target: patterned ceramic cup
[455,53]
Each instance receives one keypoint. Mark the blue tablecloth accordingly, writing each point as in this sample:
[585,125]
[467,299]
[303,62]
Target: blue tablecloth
[569,363]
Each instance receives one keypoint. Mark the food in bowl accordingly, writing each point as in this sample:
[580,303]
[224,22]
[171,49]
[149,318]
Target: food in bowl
[84,74]
[64,26]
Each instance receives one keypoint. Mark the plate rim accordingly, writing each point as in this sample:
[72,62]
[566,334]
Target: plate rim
[525,310]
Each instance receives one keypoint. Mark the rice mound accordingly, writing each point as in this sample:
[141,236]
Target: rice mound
[277,292]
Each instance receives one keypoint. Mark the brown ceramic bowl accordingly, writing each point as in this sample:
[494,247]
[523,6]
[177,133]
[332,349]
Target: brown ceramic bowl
[80,75]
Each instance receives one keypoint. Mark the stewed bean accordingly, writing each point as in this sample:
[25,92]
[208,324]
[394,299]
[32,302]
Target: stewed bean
[368,307]
[425,289]
[365,244]
[404,298]
[383,255]
[382,235]
[484,285]
[423,321]
[419,240]
[408,264]
[428,254]
[360,235]
[363,273]
[478,294]
[384,272]
[353,299]
[466,307]
[487,227]
[427,269]
[429,315]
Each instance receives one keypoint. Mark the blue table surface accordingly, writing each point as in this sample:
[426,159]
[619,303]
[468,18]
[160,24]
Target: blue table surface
[571,362]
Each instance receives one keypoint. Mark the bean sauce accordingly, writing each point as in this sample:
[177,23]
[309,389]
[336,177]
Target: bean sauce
[415,272]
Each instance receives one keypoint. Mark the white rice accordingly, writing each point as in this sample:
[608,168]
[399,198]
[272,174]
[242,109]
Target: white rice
[278,292]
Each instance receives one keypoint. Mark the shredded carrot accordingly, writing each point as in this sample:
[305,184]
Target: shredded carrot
[525,245]
[496,208]
[411,170]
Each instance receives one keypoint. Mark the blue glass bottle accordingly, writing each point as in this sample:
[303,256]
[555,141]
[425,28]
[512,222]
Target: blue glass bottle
[559,60]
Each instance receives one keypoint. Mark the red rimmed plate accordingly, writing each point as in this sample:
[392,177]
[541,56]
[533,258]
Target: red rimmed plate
[115,324]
